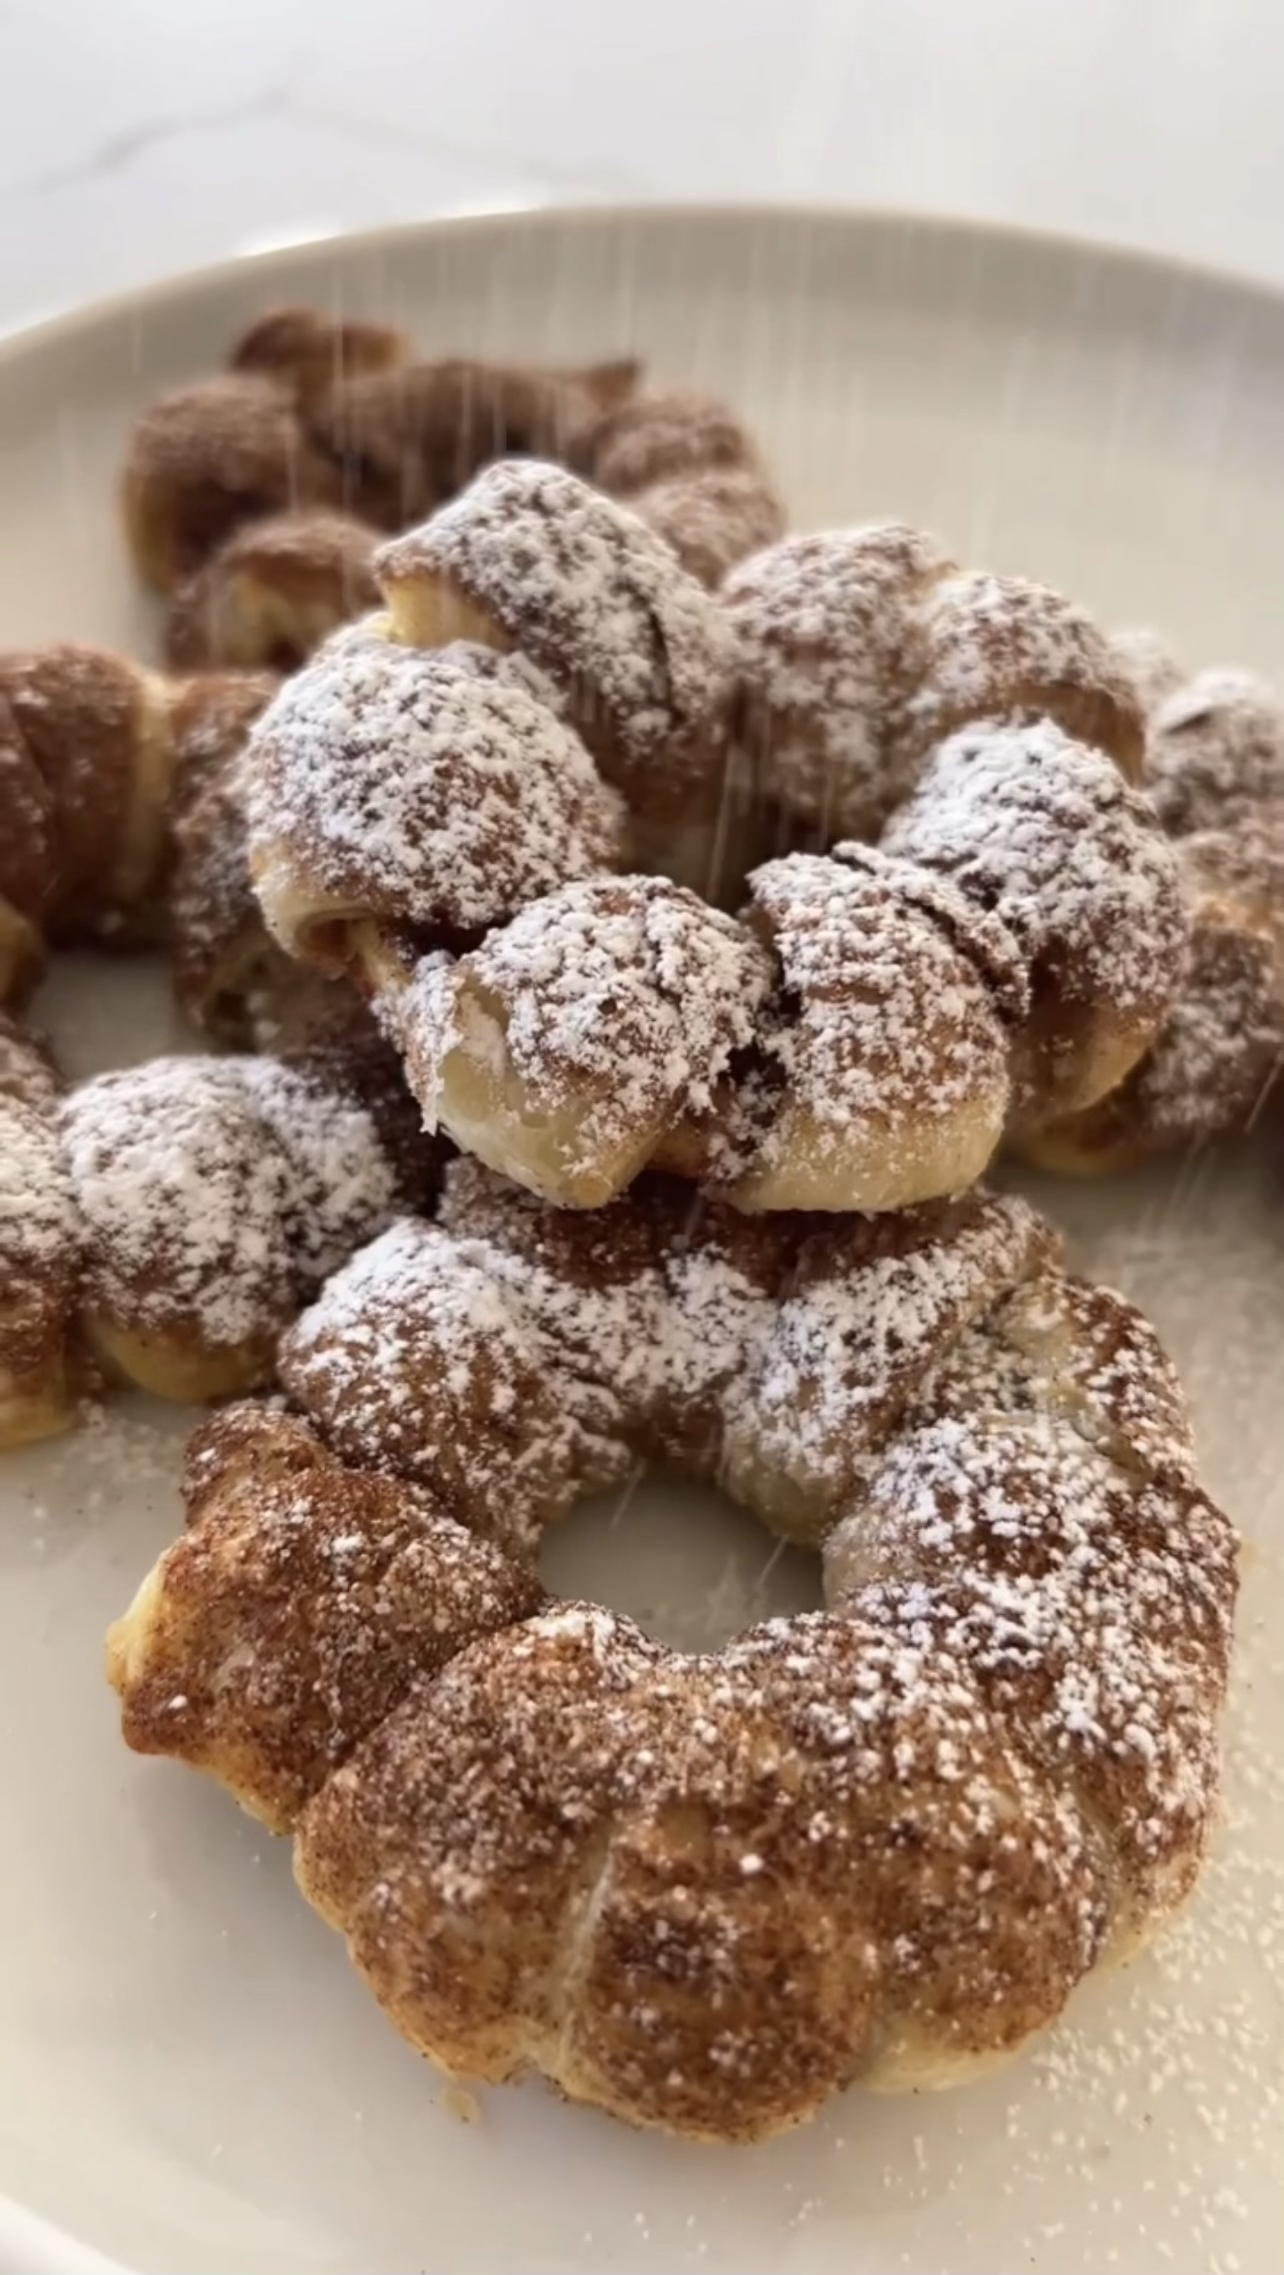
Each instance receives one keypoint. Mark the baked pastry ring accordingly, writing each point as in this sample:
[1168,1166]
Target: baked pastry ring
[867,1036]
[551,1843]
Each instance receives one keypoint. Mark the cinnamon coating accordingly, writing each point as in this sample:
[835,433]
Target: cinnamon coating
[327,1592]
[712,520]
[550,1842]
[205,459]
[406,441]
[687,466]
[41,1376]
[98,758]
[208,458]
[309,354]
[271,593]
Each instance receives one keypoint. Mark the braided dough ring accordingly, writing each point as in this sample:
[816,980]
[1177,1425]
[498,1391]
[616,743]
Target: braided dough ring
[863,1040]
[550,1842]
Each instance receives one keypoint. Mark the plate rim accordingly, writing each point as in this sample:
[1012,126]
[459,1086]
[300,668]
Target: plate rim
[950,230]
[29,2243]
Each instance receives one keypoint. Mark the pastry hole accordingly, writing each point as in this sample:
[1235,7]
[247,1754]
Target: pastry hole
[686,1562]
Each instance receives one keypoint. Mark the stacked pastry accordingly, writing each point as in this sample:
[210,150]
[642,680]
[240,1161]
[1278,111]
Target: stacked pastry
[716,1208]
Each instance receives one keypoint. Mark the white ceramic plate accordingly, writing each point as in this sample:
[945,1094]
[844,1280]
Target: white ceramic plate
[190,2078]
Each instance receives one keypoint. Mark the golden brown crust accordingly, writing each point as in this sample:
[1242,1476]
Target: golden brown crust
[295,1611]
[880,1843]
[271,593]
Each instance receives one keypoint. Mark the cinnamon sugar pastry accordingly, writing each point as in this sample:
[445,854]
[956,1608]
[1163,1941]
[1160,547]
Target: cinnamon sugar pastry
[231,979]
[96,753]
[1043,832]
[863,1040]
[395,795]
[864,649]
[308,354]
[1214,751]
[1215,773]
[686,465]
[1221,1050]
[206,458]
[405,441]
[271,593]
[160,1225]
[532,558]
[552,1844]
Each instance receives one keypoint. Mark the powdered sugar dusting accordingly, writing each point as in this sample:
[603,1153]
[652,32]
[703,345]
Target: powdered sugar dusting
[886,1022]
[38,1221]
[215,1193]
[596,598]
[433,790]
[1094,1610]
[624,1001]
[1000,647]
[826,630]
[1035,827]
[865,1317]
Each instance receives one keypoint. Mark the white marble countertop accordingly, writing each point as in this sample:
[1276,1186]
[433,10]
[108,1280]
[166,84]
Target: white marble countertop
[140,138]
